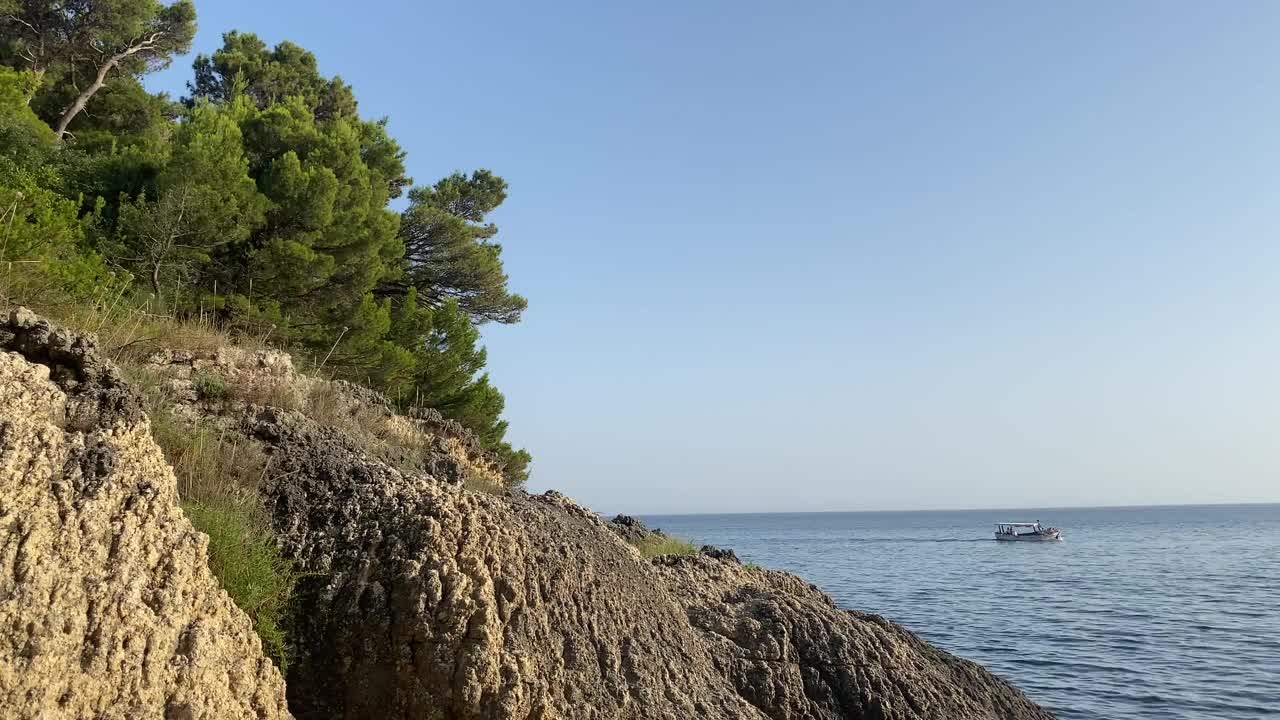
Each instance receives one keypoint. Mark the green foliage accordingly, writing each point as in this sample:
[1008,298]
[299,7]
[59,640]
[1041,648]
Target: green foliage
[448,374]
[263,197]
[327,238]
[210,388]
[205,200]
[251,570]
[515,462]
[25,140]
[42,236]
[75,48]
[244,66]
[656,544]
[122,114]
[449,253]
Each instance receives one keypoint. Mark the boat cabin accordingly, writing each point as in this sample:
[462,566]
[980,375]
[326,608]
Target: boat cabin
[1018,528]
[1026,531]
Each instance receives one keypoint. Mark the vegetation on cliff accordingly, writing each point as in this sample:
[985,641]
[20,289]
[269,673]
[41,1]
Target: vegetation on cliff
[260,200]
[193,238]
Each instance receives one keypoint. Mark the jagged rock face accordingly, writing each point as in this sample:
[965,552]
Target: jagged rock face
[631,529]
[438,602]
[790,651]
[107,605]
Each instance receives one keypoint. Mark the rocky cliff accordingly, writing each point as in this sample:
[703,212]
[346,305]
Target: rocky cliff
[425,598]
[107,606]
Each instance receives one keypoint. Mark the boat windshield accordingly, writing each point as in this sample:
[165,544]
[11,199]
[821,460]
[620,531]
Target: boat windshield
[1013,528]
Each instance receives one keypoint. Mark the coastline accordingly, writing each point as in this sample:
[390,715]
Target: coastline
[421,592]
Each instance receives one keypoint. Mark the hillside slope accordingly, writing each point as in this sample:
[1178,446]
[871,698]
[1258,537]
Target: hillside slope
[430,592]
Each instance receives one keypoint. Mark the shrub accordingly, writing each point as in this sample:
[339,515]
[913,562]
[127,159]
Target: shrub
[655,545]
[210,388]
[251,570]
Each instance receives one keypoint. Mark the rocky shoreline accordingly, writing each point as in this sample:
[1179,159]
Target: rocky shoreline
[422,597]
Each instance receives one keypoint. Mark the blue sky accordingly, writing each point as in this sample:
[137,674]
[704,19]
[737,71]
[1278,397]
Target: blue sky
[856,256]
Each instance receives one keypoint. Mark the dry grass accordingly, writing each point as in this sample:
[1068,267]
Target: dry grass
[372,427]
[214,466]
[129,325]
[280,393]
[128,328]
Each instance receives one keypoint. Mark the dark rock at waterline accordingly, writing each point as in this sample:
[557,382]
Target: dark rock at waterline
[631,529]
[716,553]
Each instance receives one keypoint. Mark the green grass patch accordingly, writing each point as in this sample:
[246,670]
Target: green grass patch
[210,388]
[251,570]
[218,472]
[655,545]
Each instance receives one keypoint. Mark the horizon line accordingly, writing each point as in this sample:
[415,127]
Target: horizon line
[965,509]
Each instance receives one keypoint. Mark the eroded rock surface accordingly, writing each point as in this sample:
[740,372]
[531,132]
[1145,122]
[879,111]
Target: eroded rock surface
[439,602]
[791,652]
[107,605]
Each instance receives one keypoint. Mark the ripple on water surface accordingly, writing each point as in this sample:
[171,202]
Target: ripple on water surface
[1168,612]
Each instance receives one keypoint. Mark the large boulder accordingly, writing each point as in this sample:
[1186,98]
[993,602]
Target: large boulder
[107,605]
[434,601]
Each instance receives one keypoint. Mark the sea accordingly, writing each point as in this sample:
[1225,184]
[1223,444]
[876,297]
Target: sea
[1139,613]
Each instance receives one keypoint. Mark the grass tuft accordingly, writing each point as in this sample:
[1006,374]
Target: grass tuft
[214,466]
[218,472]
[210,388]
[251,570]
[655,545]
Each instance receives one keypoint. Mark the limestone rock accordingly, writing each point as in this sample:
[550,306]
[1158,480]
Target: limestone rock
[791,652]
[437,602]
[107,605]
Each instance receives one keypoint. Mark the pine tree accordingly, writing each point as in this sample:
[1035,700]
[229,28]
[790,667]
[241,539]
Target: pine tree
[75,49]
[449,252]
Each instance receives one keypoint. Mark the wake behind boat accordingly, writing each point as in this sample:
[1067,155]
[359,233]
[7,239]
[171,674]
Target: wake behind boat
[1027,531]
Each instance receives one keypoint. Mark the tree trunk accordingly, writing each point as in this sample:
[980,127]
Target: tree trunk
[155,281]
[83,98]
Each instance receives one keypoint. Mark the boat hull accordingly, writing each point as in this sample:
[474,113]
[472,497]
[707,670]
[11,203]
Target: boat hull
[1050,536]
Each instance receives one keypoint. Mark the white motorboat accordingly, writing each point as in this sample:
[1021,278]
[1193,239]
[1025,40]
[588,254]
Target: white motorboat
[1026,531]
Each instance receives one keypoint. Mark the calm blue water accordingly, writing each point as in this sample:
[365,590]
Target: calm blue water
[1160,612]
